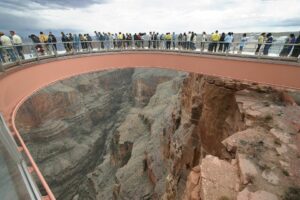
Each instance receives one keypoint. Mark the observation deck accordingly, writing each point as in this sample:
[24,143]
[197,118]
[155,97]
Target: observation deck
[22,78]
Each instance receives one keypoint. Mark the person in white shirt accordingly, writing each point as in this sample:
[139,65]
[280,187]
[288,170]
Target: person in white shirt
[17,41]
[203,40]
[8,46]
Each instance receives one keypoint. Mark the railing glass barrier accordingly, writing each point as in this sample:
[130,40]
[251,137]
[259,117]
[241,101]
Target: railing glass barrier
[35,51]
[16,182]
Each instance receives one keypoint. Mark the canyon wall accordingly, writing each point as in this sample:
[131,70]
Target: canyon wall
[162,134]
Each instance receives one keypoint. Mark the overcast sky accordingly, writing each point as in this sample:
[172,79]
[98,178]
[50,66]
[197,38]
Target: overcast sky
[27,16]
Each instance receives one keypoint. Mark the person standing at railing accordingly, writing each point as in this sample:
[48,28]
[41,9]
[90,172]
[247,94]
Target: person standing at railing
[203,40]
[102,39]
[227,41]
[8,46]
[70,43]
[17,41]
[188,40]
[215,37]
[82,42]
[44,39]
[184,40]
[157,40]
[76,43]
[52,40]
[288,46]
[179,40]
[162,44]
[65,41]
[221,42]
[89,41]
[110,40]
[296,50]
[153,39]
[38,47]
[193,41]
[98,38]
[243,42]
[168,39]
[174,40]
[149,41]
[268,43]
[120,38]
[1,54]
[260,42]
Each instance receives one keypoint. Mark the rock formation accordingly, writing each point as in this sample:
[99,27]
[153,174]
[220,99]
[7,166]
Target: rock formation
[162,134]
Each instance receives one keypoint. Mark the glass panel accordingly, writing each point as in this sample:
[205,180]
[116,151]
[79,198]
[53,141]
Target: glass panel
[12,185]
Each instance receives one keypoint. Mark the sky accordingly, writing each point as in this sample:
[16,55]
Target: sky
[86,16]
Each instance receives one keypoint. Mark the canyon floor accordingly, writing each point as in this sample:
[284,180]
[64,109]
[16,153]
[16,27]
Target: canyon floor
[162,134]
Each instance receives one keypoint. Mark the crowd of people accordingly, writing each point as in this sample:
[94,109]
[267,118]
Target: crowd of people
[12,46]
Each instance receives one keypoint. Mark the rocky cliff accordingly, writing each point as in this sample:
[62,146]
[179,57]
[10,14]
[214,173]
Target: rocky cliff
[162,134]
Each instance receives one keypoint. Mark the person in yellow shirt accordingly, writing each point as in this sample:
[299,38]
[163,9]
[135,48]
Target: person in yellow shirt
[120,38]
[215,37]
[260,42]
[168,39]
[44,39]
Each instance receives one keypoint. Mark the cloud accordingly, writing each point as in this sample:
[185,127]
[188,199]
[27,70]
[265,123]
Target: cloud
[58,4]
[149,15]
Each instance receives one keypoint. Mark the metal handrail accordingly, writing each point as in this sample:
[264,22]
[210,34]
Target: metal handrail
[42,50]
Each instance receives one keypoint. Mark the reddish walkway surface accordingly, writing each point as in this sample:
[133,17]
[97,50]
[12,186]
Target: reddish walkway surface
[19,83]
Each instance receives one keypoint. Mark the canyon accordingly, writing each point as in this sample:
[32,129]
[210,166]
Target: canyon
[163,134]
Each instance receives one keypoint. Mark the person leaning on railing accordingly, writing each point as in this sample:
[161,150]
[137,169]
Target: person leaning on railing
[227,41]
[215,37]
[296,50]
[288,46]
[38,47]
[260,42]
[44,39]
[65,41]
[221,41]
[17,41]
[243,41]
[8,46]
[203,40]
[168,39]
[268,43]
[52,40]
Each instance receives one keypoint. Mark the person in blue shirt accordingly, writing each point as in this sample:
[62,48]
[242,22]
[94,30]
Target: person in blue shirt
[243,41]
[173,39]
[268,44]
[76,42]
[227,41]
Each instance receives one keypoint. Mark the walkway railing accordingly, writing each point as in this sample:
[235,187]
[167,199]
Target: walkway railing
[19,54]
[16,181]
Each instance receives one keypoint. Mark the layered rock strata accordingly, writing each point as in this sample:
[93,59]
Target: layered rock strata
[161,134]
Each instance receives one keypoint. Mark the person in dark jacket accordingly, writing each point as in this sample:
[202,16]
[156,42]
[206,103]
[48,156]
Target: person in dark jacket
[268,43]
[288,46]
[221,41]
[89,43]
[296,50]
[65,41]
[38,46]
[52,40]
